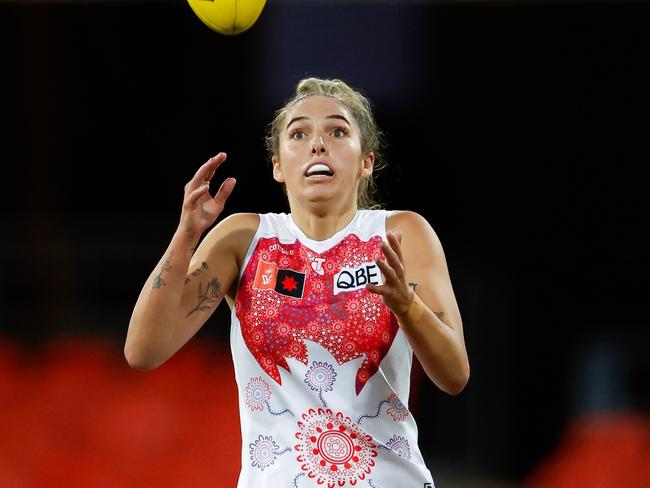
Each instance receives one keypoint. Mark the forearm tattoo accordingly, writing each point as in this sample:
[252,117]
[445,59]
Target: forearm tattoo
[196,272]
[438,314]
[207,297]
[158,281]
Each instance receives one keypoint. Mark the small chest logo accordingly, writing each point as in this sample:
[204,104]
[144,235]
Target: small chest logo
[284,281]
[317,265]
[266,276]
[350,279]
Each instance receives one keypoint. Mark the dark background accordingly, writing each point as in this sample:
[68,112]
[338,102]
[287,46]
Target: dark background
[520,131]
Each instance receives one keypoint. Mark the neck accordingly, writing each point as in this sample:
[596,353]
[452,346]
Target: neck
[319,223]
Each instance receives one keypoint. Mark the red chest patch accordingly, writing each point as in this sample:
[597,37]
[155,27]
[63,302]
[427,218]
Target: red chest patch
[289,293]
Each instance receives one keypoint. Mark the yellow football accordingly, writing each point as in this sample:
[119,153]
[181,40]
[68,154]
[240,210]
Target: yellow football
[228,17]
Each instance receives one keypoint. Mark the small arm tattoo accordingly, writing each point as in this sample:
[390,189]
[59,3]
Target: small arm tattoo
[158,281]
[196,272]
[207,297]
[438,314]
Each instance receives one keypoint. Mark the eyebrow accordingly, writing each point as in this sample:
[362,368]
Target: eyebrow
[333,116]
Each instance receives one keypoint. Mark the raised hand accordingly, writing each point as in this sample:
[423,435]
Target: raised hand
[395,292]
[200,209]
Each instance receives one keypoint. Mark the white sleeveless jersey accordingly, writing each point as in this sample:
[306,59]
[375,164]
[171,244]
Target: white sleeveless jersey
[321,364]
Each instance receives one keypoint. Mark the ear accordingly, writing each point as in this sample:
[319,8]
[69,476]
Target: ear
[277,170]
[368,164]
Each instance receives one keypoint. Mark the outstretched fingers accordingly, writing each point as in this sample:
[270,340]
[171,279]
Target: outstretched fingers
[392,269]
[217,160]
[378,289]
[194,196]
[224,191]
[205,173]
[393,255]
[390,275]
[395,240]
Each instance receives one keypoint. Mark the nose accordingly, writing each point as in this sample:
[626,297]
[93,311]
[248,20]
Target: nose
[318,145]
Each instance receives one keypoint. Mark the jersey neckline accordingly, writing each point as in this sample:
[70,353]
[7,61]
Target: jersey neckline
[320,246]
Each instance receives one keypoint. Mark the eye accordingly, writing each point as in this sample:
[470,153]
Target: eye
[339,132]
[297,135]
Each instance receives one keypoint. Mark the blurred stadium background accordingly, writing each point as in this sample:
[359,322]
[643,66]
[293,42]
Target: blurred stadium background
[519,129]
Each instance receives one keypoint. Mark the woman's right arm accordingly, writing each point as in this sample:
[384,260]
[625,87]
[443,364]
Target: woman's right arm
[189,282]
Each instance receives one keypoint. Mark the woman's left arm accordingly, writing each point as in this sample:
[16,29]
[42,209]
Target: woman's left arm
[418,290]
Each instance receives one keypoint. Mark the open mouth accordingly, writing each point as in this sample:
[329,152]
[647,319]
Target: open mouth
[319,170]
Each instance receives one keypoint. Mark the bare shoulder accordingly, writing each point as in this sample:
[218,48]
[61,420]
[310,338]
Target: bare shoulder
[234,233]
[224,248]
[411,224]
[238,222]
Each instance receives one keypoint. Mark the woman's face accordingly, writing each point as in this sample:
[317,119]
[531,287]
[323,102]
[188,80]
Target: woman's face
[320,155]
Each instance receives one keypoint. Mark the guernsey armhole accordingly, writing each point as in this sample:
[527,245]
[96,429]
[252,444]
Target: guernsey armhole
[247,256]
[387,214]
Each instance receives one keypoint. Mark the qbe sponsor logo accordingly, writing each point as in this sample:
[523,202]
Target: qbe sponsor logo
[350,279]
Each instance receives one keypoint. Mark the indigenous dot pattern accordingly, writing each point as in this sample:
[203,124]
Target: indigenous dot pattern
[321,376]
[333,449]
[400,446]
[258,392]
[350,324]
[397,410]
[263,452]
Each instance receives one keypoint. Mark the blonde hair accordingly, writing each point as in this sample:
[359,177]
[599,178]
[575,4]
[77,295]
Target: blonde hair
[359,107]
